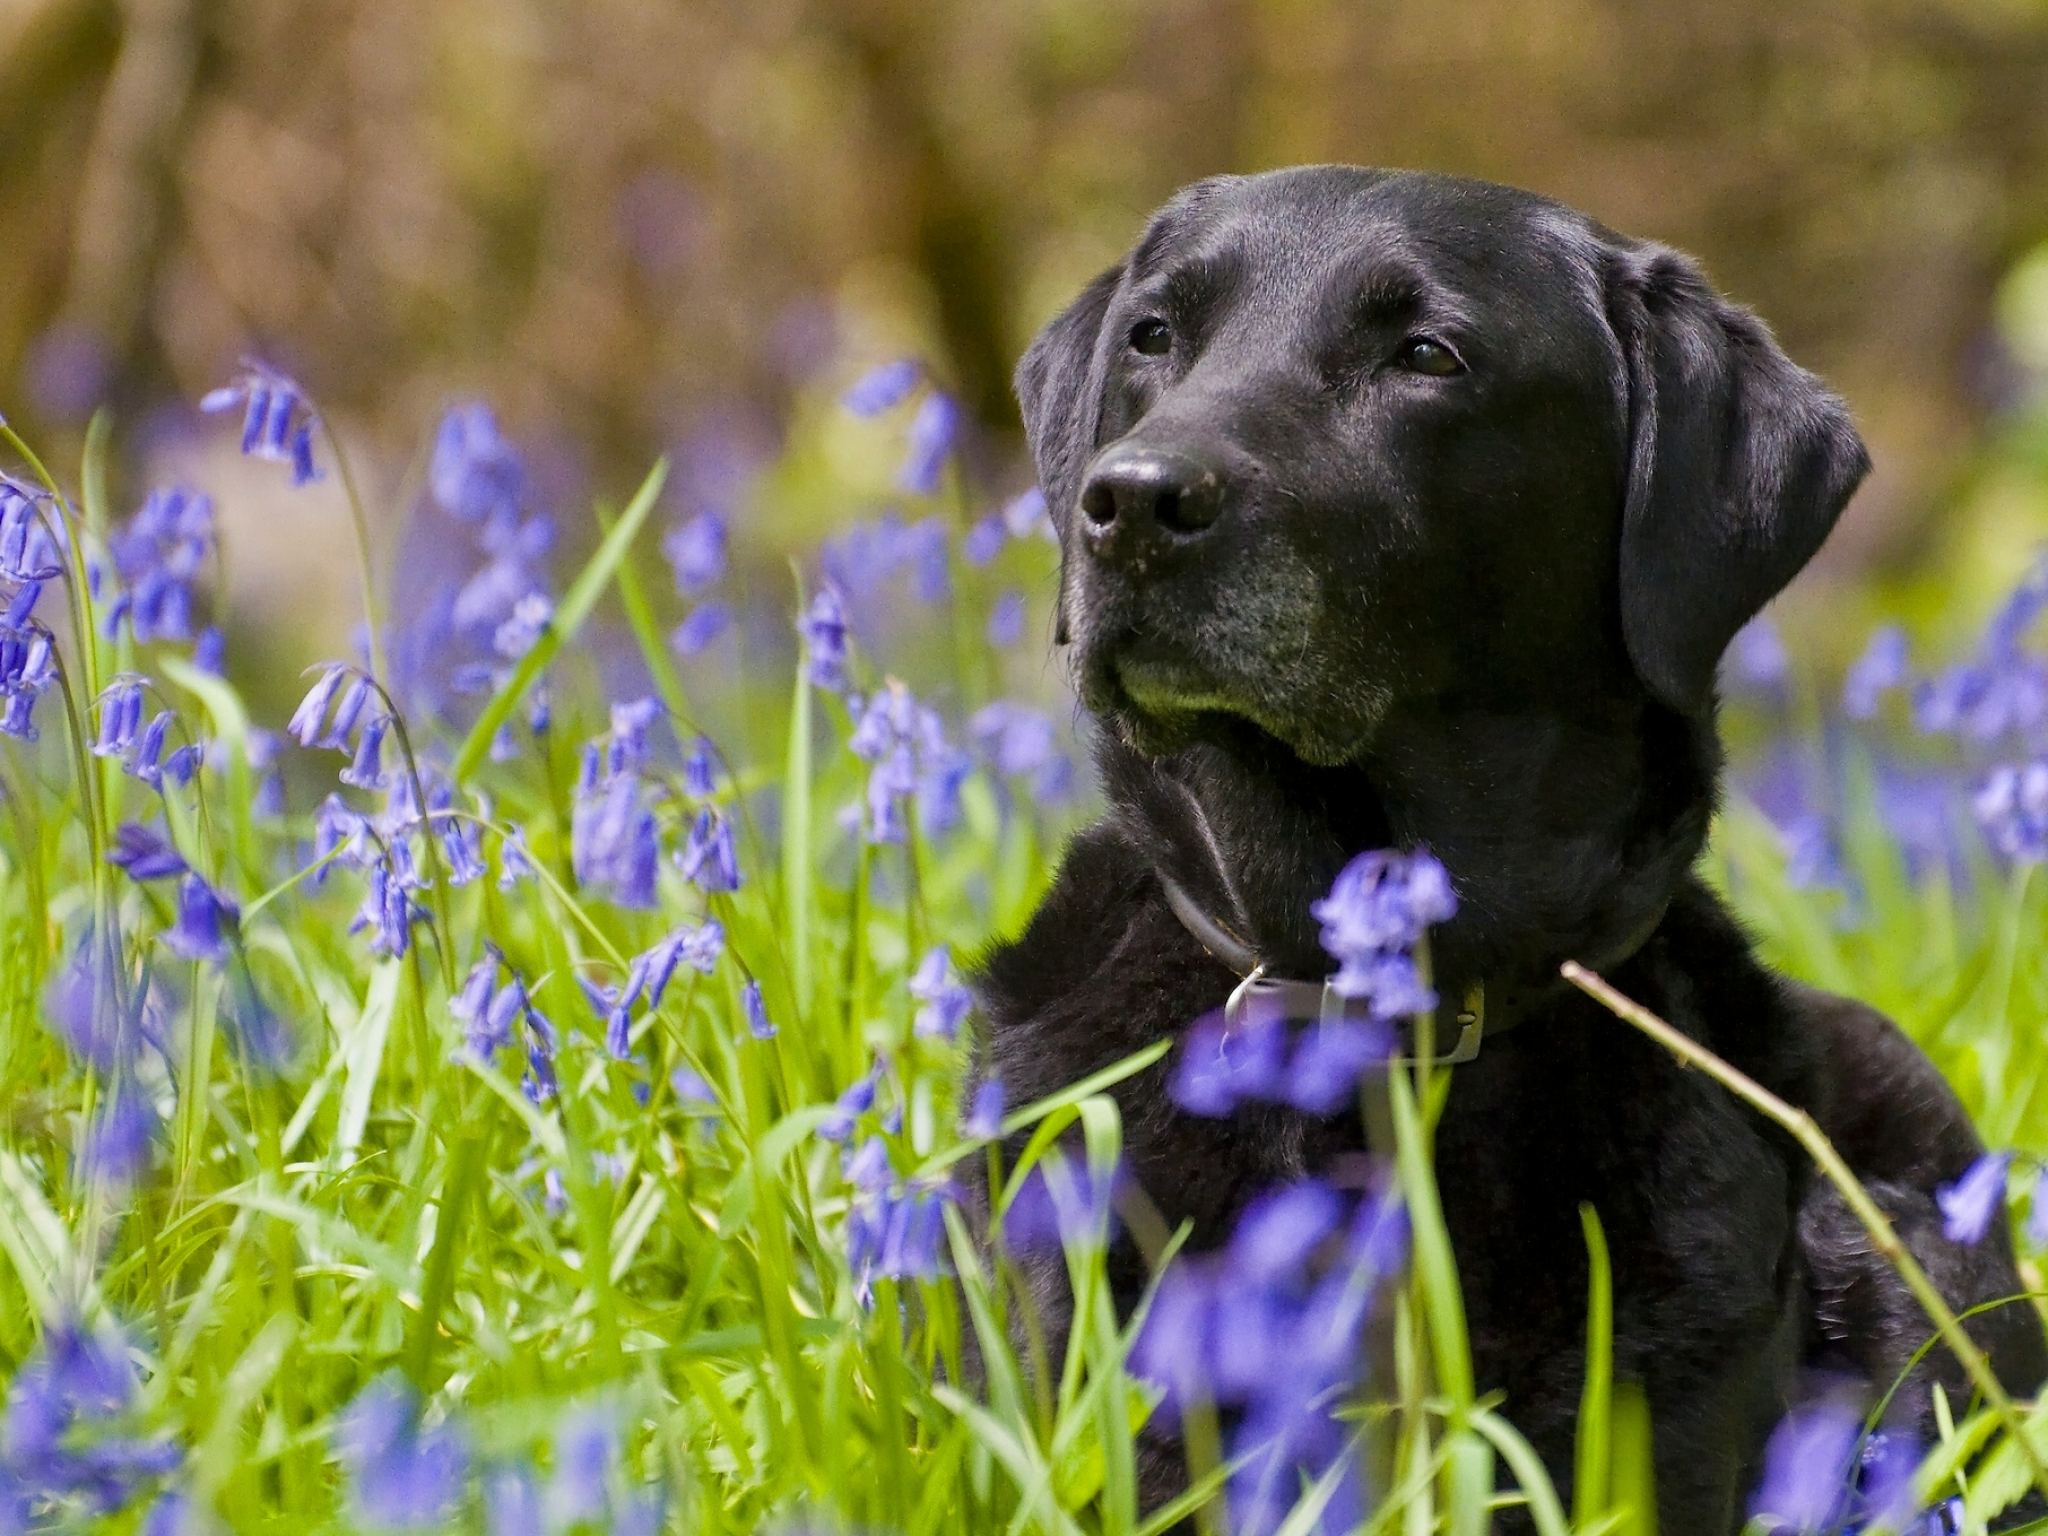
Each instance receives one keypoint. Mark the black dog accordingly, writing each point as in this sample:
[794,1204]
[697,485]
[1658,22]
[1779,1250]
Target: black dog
[1399,510]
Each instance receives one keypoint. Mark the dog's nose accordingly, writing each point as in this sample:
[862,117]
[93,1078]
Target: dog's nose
[1140,496]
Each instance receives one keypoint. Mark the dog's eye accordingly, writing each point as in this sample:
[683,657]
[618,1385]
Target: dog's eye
[1421,355]
[1151,337]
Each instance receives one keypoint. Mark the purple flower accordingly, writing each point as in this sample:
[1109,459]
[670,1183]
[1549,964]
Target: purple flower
[856,1101]
[521,628]
[507,577]
[1968,1205]
[512,1502]
[475,473]
[823,633]
[1280,1229]
[539,1083]
[2037,1213]
[758,1023]
[1807,1466]
[63,1435]
[881,388]
[946,1002]
[27,669]
[144,853]
[1006,620]
[1026,515]
[145,759]
[402,1476]
[614,840]
[209,651]
[906,743]
[1016,739]
[118,1142]
[1881,668]
[896,1234]
[366,769]
[2012,808]
[1219,1066]
[692,1088]
[159,555]
[696,552]
[984,1120]
[709,860]
[307,720]
[985,540]
[930,443]
[277,418]
[1756,657]
[1328,1061]
[1378,909]
[205,918]
[28,551]
[120,718]
[701,628]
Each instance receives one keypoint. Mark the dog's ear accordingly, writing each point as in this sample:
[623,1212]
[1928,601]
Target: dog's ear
[1739,463]
[1059,389]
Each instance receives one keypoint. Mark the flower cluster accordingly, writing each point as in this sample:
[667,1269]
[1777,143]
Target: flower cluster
[862,562]
[158,556]
[934,426]
[277,418]
[945,1003]
[402,1474]
[1271,1325]
[1019,742]
[697,946]
[822,629]
[28,558]
[696,550]
[906,743]
[894,1227]
[141,747]
[68,1453]
[1822,1472]
[488,1010]
[615,840]
[1377,912]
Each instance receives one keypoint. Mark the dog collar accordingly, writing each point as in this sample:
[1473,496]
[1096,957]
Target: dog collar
[1281,997]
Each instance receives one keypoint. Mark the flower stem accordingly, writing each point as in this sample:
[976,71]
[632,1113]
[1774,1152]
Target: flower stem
[366,576]
[1810,1136]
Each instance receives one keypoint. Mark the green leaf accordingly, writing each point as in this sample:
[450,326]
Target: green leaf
[568,618]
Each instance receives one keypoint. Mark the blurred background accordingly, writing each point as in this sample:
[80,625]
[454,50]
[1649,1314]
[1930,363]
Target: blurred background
[639,227]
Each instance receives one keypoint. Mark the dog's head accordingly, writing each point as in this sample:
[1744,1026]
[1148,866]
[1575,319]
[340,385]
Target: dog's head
[1335,442]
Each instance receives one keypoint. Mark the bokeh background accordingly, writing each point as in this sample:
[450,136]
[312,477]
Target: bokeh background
[639,227]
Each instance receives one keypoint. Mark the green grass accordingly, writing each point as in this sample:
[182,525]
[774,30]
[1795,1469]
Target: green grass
[376,1206]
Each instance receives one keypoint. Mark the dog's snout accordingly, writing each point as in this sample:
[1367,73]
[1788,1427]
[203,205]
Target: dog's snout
[1143,495]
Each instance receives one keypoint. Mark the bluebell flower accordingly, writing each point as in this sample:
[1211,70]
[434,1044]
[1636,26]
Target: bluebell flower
[120,718]
[209,652]
[511,573]
[475,473]
[529,617]
[1026,517]
[1221,1067]
[277,418]
[985,540]
[1884,1481]
[1058,1206]
[867,1167]
[822,631]
[1808,1461]
[614,840]
[540,1083]
[91,1015]
[1378,909]
[1881,668]
[342,832]
[22,606]
[1020,742]
[701,628]
[1972,1201]
[1756,657]
[2037,1213]
[946,1002]
[586,1448]
[933,430]
[2012,808]
[984,1119]
[389,909]
[2003,689]
[514,862]
[205,919]
[613,1007]
[366,769]
[307,720]
[691,1087]
[120,1137]
[696,552]
[159,555]
[402,1476]
[64,1432]
[28,667]
[856,1101]
[630,721]
[896,1234]
[1006,620]
[145,759]
[758,1023]
[1329,1059]
[512,1503]
[144,853]
[462,845]
[882,388]
[700,769]
[28,550]
[709,860]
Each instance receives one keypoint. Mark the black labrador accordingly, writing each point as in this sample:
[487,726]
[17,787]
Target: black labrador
[1401,510]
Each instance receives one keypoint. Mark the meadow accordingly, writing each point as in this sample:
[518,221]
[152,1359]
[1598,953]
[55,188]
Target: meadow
[528,1090]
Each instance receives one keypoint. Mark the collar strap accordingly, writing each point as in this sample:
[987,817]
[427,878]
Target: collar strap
[1279,997]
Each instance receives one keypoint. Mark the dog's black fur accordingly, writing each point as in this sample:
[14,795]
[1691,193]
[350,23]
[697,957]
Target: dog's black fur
[1329,590]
